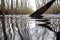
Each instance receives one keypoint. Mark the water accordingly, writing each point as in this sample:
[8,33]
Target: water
[20,27]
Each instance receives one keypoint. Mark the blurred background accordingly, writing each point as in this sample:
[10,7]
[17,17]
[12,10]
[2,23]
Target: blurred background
[28,6]
[17,25]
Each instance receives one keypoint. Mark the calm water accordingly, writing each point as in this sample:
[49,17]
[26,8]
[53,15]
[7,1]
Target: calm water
[18,24]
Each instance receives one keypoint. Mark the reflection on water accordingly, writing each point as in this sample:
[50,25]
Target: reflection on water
[20,27]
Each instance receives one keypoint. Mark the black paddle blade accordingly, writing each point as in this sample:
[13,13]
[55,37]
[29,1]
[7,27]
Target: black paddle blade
[40,11]
[40,17]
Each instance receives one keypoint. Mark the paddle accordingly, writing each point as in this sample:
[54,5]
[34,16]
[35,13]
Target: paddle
[40,11]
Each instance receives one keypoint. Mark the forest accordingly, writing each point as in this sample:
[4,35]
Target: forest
[19,27]
[27,6]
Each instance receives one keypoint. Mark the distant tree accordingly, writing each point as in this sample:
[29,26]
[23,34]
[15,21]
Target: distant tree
[17,5]
[3,18]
